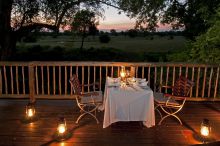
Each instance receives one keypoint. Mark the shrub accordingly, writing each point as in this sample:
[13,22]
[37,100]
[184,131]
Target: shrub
[104,38]
[132,33]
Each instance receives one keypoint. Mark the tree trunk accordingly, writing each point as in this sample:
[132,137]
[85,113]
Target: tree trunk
[7,39]
[83,38]
[8,46]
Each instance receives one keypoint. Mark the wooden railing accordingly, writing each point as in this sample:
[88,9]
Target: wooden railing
[50,79]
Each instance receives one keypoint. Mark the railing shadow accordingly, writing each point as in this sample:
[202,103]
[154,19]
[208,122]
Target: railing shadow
[211,106]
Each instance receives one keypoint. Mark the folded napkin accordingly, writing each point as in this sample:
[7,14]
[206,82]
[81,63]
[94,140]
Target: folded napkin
[144,83]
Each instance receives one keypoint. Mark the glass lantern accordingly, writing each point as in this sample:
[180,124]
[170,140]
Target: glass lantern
[61,129]
[205,128]
[30,111]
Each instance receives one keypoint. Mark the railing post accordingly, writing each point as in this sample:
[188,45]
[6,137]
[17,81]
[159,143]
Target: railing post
[31,82]
[0,81]
[132,71]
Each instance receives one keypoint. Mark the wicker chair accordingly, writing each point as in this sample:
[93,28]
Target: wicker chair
[88,102]
[172,103]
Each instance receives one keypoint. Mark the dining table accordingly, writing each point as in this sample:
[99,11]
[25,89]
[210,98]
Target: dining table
[130,100]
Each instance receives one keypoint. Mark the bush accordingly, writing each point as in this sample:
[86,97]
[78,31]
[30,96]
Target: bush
[29,39]
[104,38]
[132,33]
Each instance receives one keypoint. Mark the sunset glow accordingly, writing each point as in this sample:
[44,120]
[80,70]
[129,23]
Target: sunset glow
[120,22]
[126,26]
[116,26]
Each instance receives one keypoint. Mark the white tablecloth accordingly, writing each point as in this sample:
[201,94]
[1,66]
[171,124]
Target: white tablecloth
[131,103]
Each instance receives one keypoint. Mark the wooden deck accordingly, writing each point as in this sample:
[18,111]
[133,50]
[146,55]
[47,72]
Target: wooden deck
[15,133]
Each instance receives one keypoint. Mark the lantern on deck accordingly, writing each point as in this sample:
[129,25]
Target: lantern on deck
[62,133]
[205,129]
[61,129]
[30,111]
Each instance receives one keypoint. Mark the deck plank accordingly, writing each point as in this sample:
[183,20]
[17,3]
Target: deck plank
[88,133]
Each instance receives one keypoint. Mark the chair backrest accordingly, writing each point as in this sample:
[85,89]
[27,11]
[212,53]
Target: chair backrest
[182,87]
[75,84]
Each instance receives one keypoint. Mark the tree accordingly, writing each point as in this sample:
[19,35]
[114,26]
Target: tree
[5,27]
[113,32]
[191,15]
[82,21]
[19,18]
[93,30]
[206,48]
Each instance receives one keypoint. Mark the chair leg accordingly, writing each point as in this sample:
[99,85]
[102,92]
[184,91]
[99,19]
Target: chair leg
[156,108]
[80,116]
[170,114]
[85,112]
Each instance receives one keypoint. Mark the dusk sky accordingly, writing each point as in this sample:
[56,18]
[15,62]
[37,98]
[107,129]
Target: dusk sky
[113,20]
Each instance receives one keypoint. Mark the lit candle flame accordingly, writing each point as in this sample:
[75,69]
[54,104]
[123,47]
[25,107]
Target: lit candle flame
[61,128]
[204,131]
[30,113]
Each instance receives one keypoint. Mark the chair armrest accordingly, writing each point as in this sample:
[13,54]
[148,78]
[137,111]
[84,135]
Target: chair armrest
[174,97]
[159,86]
[178,98]
[167,87]
[171,101]
[181,100]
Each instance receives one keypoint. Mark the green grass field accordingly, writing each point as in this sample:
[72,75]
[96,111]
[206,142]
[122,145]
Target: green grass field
[137,44]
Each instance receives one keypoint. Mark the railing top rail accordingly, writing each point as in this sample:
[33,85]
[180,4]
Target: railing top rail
[14,63]
[99,63]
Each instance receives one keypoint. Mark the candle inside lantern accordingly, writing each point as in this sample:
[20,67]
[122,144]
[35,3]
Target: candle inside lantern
[61,126]
[205,128]
[204,131]
[62,132]
[30,110]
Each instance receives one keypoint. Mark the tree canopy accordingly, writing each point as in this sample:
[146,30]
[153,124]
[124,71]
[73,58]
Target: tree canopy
[206,48]
[188,15]
[83,22]
[20,17]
